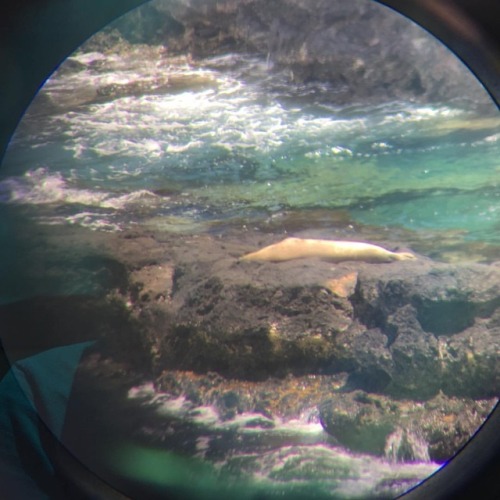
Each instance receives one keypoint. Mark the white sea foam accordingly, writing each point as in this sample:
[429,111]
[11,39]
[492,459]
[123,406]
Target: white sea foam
[142,197]
[181,148]
[88,220]
[204,415]
[39,187]
[222,114]
[491,139]
[282,464]
[342,474]
[171,406]
[415,113]
[88,57]
[202,446]
[306,424]
[367,474]
[146,390]
[42,187]
[233,115]
[248,421]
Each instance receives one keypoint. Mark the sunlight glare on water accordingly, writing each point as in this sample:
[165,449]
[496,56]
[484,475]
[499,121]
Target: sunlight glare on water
[228,141]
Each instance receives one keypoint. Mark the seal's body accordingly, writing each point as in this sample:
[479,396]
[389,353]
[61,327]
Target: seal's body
[335,251]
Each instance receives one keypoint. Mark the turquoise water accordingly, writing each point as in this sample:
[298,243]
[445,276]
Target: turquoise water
[225,144]
[228,146]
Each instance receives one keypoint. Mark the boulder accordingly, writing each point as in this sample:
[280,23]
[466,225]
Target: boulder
[366,51]
[408,329]
[403,430]
[438,325]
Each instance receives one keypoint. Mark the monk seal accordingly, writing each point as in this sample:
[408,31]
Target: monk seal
[335,251]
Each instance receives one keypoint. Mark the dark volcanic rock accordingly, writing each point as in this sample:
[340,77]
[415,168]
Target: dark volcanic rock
[271,398]
[409,329]
[402,430]
[360,422]
[39,323]
[278,340]
[439,326]
[249,328]
[365,50]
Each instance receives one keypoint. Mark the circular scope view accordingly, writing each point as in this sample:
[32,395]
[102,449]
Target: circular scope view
[252,251]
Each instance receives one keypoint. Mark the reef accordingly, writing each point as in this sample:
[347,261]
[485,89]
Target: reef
[406,352]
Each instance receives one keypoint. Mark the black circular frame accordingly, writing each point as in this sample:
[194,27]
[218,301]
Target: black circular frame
[37,35]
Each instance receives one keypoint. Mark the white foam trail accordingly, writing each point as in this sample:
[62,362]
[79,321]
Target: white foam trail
[282,464]
[41,187]
[204,415]
[412,114]
[87,220]
[143,391]
[307,423]
[405,445]
[171,406]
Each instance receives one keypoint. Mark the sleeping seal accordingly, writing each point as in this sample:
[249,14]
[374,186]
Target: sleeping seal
[335,251]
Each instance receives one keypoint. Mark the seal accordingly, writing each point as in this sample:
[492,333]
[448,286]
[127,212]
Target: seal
[335,251]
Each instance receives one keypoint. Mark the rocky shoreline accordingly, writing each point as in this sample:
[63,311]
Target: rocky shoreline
[406,351]
[366,52]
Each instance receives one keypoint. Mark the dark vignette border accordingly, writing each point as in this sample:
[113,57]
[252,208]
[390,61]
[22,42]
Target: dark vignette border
[37,35]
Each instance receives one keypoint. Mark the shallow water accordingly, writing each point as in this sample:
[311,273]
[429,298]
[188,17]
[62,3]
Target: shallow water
[225,143]
[251,455]
[112,142]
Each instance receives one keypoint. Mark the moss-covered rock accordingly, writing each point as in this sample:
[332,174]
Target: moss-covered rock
[403,430]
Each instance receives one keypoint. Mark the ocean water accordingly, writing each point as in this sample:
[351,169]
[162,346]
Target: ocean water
[138,138]
[113,142]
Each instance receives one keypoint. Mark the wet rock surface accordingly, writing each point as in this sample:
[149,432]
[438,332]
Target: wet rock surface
[402,430]
[402,353]
[409,329]
[438,325]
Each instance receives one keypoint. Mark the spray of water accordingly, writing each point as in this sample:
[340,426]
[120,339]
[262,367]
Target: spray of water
[406,445]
